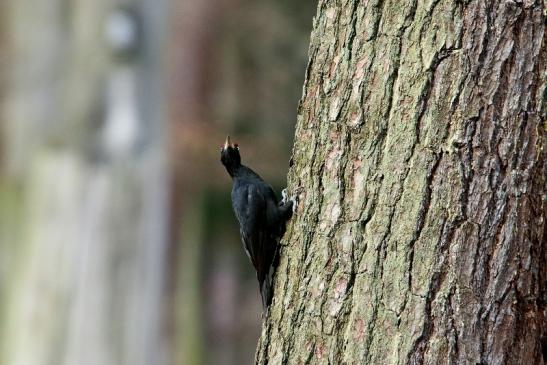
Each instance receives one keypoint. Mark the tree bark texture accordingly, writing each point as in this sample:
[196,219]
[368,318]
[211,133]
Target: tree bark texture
[419,160]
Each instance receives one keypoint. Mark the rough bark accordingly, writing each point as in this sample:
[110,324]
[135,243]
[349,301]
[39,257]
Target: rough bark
[420,163]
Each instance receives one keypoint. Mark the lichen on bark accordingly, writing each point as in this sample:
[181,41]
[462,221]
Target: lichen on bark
[420,161]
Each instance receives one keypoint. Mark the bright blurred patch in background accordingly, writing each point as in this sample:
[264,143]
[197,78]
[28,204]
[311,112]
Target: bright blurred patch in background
[118,244]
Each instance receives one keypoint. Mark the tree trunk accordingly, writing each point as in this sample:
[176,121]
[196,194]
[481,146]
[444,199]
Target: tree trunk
[420,163]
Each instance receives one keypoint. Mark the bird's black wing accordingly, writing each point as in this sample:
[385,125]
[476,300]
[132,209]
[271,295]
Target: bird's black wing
[250,206]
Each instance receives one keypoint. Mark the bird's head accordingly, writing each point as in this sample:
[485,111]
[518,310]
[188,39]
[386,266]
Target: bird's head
[229,155]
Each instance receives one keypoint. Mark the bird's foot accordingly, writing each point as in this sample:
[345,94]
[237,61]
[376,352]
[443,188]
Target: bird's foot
[294,199]
[284,196]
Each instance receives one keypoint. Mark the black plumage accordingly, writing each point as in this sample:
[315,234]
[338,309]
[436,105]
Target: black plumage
[261,218]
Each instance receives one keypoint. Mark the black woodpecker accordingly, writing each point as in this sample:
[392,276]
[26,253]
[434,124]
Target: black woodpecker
[261,218]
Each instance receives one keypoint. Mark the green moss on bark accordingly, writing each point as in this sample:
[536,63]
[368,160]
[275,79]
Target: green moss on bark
[418,159]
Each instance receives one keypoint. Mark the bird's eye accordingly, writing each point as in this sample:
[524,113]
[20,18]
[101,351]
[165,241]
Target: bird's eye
[236,146]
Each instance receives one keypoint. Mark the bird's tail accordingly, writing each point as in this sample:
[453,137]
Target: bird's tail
[266,287]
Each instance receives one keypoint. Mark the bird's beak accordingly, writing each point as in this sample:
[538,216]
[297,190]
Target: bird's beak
[227,143]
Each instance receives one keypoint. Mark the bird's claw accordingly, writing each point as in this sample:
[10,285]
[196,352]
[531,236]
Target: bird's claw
[284,196]
[294,199]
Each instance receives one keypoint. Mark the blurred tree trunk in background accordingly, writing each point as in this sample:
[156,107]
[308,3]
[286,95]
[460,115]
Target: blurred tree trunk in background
[84,184]
[420,155]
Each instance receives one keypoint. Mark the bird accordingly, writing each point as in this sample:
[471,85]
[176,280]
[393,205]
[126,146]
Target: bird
[262,219]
